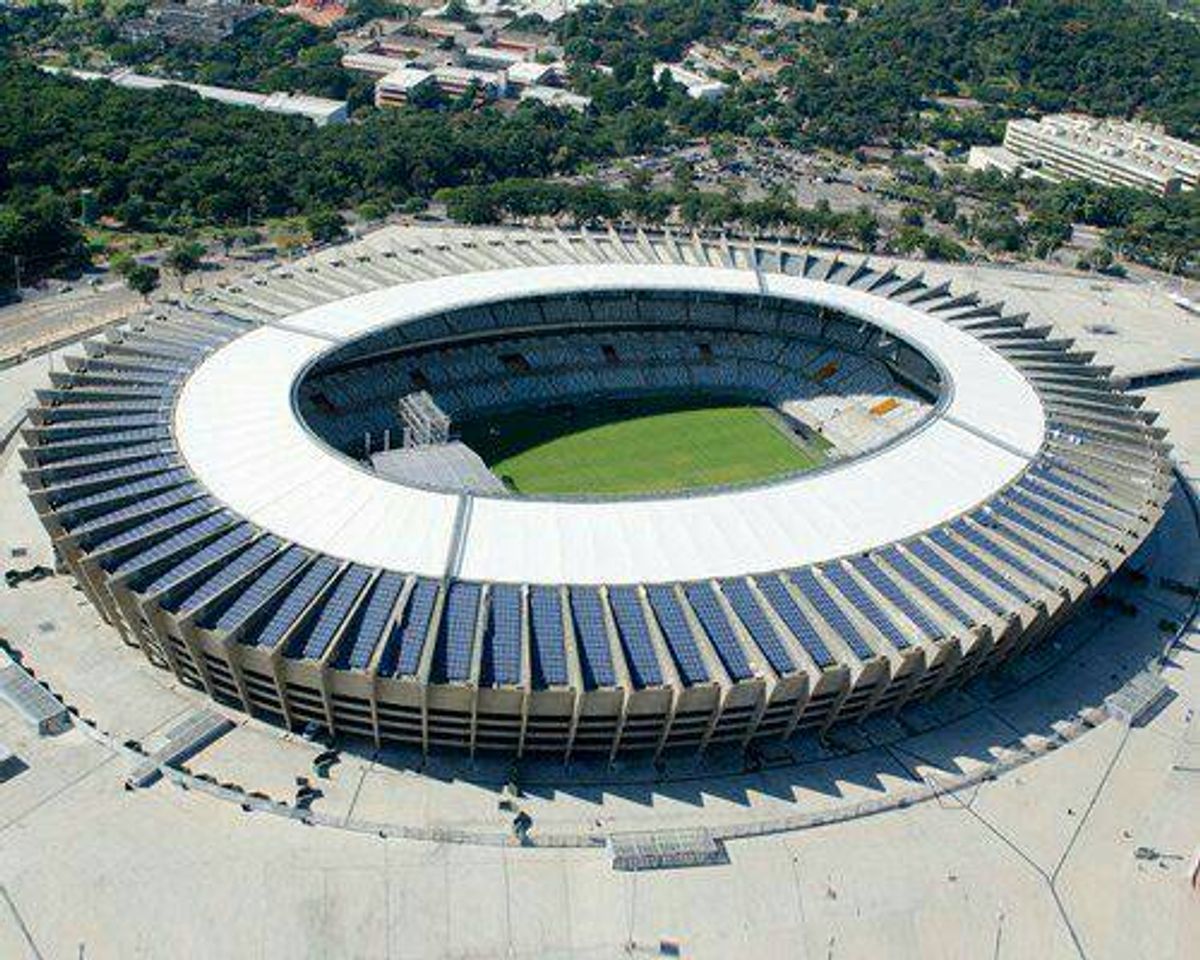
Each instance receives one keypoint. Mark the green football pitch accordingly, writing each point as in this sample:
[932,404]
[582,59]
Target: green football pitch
[642,446]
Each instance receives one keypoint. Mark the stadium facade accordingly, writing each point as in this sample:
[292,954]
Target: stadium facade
[206,477]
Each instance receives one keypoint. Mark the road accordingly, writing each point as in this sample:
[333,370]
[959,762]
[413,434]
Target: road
[35,324]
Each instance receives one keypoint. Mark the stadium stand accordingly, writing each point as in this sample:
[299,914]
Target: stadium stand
[299,634]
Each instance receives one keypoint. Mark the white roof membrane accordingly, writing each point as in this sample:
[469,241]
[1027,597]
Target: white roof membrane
[239,432]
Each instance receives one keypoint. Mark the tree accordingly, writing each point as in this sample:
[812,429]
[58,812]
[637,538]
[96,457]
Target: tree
[37,239]
[866,228]
[325,226]
[142,278]
[184,257]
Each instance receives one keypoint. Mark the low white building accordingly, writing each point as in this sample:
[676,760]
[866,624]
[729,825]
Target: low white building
[320,110]
[492,57]
[698,87]
[397,87]
[556,97]
[373,63]
[993,158]
[457,80]
[528,73]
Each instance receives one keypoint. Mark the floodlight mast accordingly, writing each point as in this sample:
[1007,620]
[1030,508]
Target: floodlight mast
[424,423]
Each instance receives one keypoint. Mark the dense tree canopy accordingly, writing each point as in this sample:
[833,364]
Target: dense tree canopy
[849,83]
[167,159]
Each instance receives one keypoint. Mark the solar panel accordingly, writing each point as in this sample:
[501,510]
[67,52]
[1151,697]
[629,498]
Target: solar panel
[203,591]
[738,593]
[849,588]
[781,601]
[159,523]
[1050,474]
[374,617]
[1043,491]
[196,561]
[831,613]
[409,632]
[925,553]
[151,347]
[169,478]
[680,642]
[73,428]
[502,637]
[549,666]
[703,599]
[976,537]
[67,465]
[635,636]
[51,451]
[133,368]
[256,592]
[978,564]
[130,511]
[456,633]
[312,642]
[906,569]
[595,657]
[1012,516]
[84,411]
[295,599]
[876,577]
[165,548]
[1034,506]
[990,520]
[72,488]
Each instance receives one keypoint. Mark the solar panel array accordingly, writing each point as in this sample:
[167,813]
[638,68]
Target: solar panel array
[793,617]
[977,538]
[1003,510]
[678,635]
[175,543]
[740,597]
[849,588]
[194,561]
[68,493]
[294,600]
[926,554]
[981,565]
[91,533]
[408,635]
[640,657]
[311,643]
[831,613]
[595,657]
[1054,516]
[890,590]
[703,600]
[548,645]
[374,618]
[456,633]
[255,593]
[906,569]
[134,489]
[1050,474]
[199,593]
[158,523]
[1035,486]
[502,637]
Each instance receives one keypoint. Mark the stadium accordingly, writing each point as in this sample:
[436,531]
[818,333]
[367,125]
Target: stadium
[592,493]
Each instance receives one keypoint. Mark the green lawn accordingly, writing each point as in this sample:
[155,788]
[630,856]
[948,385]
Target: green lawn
[643,446]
